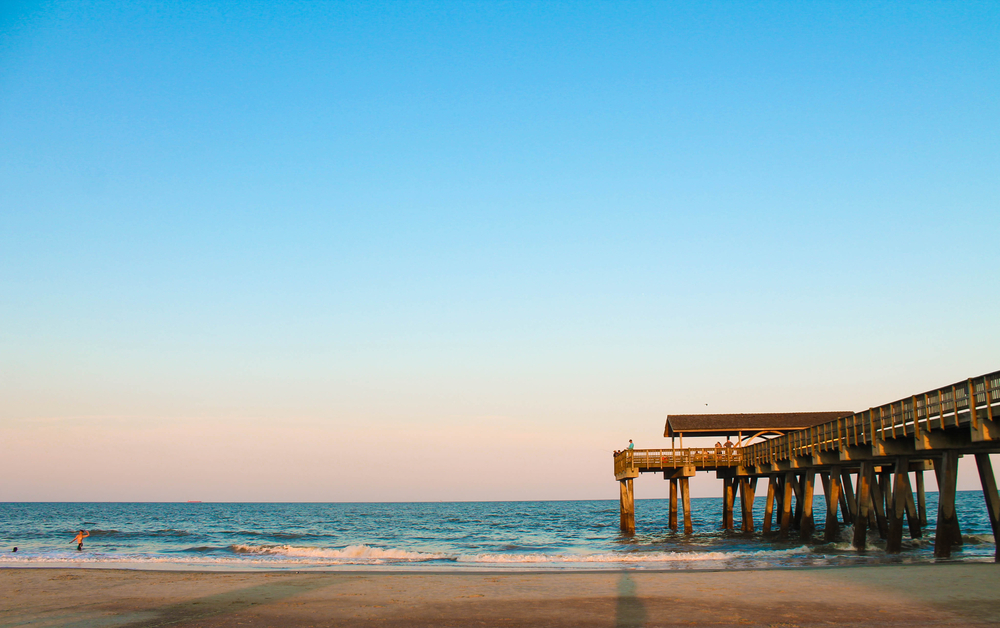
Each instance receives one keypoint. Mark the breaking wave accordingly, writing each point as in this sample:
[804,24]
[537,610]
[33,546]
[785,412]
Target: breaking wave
[351,552]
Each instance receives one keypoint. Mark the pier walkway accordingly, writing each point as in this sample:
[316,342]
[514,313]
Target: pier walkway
[864,460]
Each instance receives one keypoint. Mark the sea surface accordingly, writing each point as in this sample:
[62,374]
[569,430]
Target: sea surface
[533,536]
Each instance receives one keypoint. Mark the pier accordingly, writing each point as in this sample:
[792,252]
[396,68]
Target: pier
[864,461]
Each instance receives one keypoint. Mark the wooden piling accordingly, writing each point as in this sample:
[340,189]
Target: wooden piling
[627,506]
[878,506]
[748,489]
[851,511]
[900,477]
[806,524]
[686,499]
[885,487]
[769,505]
[921,499]
[673,505]
[831,487]
[948,532]
[727,503]
[989,482]
[863,495]
[912,517]
[786,505]
[797,483]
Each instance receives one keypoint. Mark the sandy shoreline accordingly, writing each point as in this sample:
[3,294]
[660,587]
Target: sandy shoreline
[918,595]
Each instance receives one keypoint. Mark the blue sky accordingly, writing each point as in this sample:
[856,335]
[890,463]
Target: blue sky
[447,226]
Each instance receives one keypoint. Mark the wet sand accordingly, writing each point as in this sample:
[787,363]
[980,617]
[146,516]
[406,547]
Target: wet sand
[924,595]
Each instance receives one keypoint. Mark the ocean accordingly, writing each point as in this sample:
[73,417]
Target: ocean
[504,536]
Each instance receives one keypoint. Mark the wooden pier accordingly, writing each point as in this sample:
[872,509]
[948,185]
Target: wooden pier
[865,461]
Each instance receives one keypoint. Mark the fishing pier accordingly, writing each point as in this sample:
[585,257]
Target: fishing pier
[864,461]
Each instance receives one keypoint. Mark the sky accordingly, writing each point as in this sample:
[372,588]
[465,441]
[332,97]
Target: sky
[463,251]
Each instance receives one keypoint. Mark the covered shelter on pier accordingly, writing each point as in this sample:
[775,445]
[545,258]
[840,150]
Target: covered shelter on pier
[745,426]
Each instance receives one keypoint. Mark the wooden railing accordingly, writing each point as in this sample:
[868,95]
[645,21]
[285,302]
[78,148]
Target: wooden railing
[939,409]
[657,459]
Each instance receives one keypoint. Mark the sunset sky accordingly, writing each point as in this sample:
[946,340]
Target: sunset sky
[463,251]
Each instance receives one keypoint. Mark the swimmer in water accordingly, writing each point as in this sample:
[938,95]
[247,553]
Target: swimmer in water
[79,539]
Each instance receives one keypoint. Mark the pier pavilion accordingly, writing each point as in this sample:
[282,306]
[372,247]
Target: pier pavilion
[863,459]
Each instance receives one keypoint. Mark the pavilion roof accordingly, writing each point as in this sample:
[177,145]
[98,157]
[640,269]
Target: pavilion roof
[747,424]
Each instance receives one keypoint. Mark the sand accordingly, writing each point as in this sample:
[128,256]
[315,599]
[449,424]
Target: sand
[922,595]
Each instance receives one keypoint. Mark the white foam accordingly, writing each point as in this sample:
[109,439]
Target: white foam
[354,552]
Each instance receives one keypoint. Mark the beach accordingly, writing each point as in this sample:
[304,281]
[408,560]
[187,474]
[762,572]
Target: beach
[887,595]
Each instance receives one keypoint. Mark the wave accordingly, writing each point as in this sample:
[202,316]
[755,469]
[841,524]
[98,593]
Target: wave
[139,534]
[353,552]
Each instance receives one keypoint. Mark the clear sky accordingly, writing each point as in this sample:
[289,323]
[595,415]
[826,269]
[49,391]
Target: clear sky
[423,251]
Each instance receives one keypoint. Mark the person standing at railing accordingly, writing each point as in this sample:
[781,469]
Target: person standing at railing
[630,445]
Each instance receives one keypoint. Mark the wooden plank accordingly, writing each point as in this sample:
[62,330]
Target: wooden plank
[831,487]
[806,525]
[786,505]
[989,482]
[769,504]
[894,542]
[948,532]
[686,499]
[865,477]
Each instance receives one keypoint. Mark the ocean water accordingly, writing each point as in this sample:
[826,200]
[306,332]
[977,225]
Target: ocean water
[553,536]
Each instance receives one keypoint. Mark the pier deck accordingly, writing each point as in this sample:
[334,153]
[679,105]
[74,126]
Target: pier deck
[864,461]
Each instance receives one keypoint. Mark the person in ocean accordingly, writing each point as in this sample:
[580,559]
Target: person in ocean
[79,539]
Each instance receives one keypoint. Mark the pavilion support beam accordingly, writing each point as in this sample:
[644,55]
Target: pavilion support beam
[865,477]
[806,525]
[989,482]
[948,531]
[686,499]
[900,488]
[627,506]
[673,505]
[786,504]
[772,484]
[831,487]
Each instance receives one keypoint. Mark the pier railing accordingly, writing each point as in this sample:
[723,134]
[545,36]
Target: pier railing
[657,459]
[915,416]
